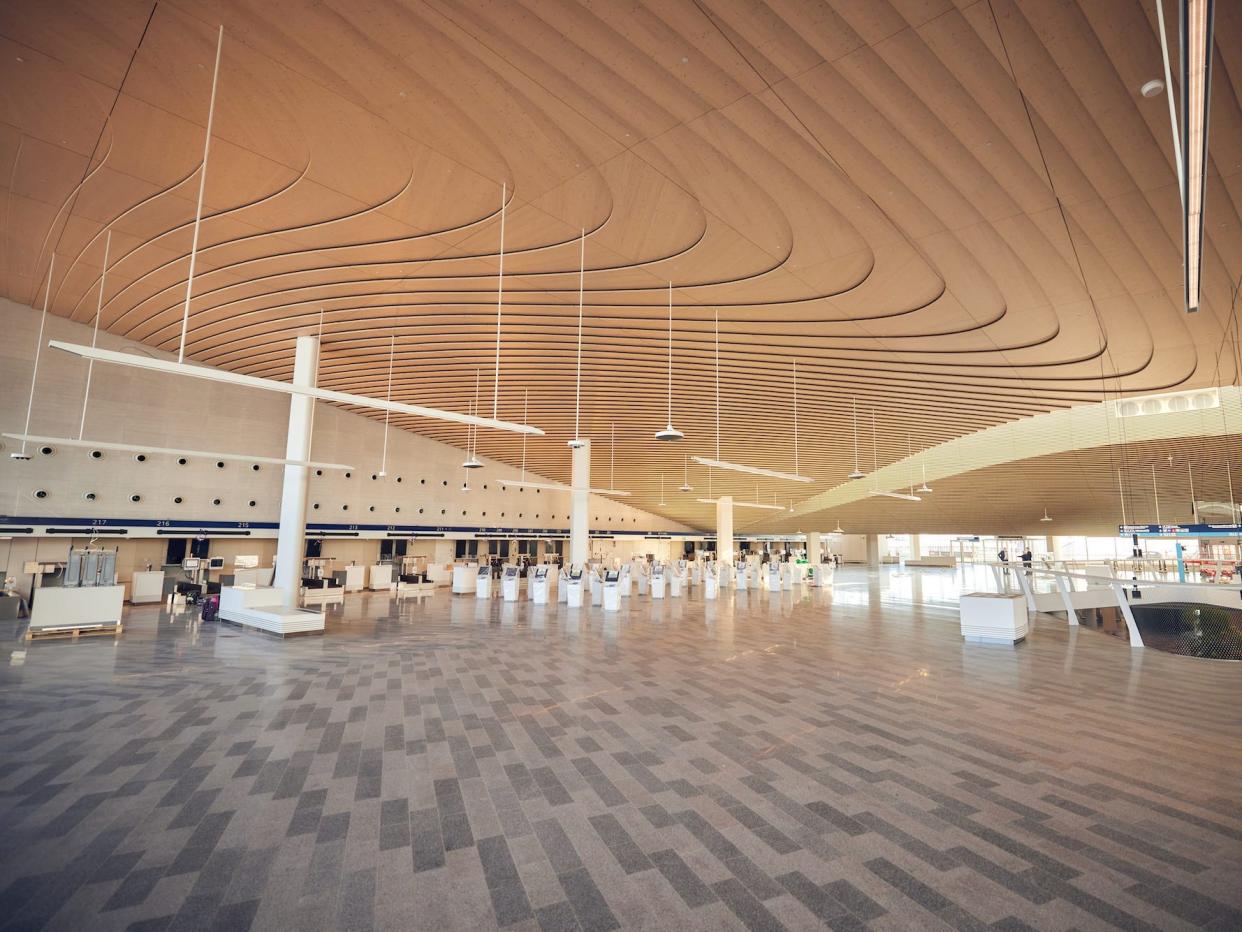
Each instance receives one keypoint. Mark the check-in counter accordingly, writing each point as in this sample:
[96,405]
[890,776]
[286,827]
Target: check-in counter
[146,586]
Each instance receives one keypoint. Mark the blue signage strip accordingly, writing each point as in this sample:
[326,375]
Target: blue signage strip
[192,527]
[1180,530]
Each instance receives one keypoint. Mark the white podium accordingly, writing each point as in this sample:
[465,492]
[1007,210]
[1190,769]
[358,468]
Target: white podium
[380,576]
[596,586]
[644,582]
[993,618]
[675,584]
[354,576]
[464,578]
[711,586]
[146,586]
[787,574]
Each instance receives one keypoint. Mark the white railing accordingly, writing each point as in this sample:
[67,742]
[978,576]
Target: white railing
[1014,576]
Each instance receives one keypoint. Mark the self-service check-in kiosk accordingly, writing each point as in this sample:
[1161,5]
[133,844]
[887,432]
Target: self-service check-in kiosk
[788,573]
[675,580]
[483,582]
[573,587]
[562,585]
[509,584]
[596,586]
[538,585]
[696,573]
[642,577]
[740,576]
[625,584]
[657,581]
[711,582]
[774,576]
[612,591]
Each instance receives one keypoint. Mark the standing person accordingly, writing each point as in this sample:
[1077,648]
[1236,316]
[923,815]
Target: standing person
[1026,559]
[1003,556]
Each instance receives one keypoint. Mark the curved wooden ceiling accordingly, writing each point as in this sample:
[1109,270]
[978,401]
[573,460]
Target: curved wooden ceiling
[957,213]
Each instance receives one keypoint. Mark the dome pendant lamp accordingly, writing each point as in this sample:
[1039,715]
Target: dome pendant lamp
[685,485]
[670,433]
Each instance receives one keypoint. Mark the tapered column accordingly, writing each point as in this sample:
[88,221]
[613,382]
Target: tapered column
[291,538]
[724,529]
[579,506]
[873,551]
[814,550]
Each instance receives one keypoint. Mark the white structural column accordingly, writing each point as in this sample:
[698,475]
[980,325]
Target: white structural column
[579,518]
[291,538]
[814,550]
[873,551]
[724,529]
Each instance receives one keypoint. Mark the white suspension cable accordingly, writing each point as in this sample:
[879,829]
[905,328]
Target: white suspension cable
[392,345]
[795,413]
[670,352]
[34,373]
[1168,86]
[578,376]
[198,211]
[525,402]
[90,367]
[500,297]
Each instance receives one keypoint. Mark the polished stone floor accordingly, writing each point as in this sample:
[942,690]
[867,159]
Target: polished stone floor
[794,760]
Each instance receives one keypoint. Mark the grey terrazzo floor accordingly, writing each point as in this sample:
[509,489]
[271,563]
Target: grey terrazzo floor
[795,760]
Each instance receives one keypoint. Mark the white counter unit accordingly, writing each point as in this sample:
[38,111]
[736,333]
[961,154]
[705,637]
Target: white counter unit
[355,578]
[76,607]
[993,618]
[146,586]
[263,607]
[380,576]
[253,576]
[463,578]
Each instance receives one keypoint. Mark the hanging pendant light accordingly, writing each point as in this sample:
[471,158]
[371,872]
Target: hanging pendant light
[1045,517]
[924,487]
[685,485]
[472,461]
[670,432]
[857,473]
[838,529]
[577,440]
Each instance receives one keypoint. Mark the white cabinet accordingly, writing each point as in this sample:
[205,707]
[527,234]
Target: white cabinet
[993,618]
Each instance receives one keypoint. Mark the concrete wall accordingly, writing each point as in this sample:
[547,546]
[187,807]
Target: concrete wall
[423,485]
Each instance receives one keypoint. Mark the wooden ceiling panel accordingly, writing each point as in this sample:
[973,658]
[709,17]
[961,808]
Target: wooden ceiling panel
[932,209]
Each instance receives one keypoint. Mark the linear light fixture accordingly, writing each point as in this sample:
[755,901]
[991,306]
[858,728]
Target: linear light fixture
[713,501]
[273,385]
[557,487]
[901,495]
[753,470]
[1196,16]
[170,451]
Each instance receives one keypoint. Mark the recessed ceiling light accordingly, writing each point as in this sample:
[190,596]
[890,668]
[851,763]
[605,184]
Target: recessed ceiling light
[1152,88]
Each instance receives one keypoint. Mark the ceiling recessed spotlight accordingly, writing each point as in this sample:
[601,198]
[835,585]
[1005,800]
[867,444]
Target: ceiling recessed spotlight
[1152,88]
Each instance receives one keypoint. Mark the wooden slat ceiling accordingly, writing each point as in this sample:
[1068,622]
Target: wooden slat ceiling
[957,213]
